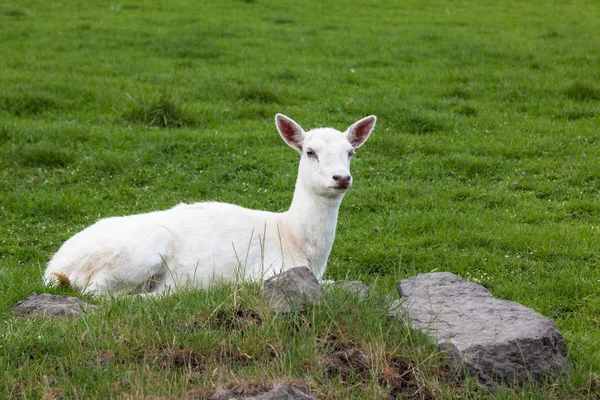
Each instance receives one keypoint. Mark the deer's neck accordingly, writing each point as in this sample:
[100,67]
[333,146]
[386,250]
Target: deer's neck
[312,220]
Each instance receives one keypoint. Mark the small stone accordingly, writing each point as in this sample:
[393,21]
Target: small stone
[48,305]
[277,393]
[356,287]
[282,393]
[292,289]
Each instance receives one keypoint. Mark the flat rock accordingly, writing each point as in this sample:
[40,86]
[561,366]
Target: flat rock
[496,341]
[356,287]
[277,393]
[292,289]
[49,305]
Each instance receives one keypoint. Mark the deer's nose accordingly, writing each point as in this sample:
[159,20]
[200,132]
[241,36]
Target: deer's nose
[342,181]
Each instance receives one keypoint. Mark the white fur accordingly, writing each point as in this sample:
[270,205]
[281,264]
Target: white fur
[197,243]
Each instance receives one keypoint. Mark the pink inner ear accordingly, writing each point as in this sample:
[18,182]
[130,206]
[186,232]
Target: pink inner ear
[360,131]
[290,131]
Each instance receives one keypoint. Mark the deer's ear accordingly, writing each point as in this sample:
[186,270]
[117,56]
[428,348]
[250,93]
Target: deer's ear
[359,132]
[290,131]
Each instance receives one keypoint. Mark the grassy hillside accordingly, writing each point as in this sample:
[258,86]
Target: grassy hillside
[484,161]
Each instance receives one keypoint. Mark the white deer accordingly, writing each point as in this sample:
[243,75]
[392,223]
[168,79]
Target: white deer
[195,244]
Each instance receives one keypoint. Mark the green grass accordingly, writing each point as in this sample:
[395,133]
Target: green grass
[484,161]
[221,335]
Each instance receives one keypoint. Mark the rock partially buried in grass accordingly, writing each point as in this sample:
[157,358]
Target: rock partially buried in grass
[292,289]
[495,341]
[277,393]
[48,305]
[357,288]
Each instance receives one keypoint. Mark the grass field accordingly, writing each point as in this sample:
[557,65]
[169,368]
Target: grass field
[484,162]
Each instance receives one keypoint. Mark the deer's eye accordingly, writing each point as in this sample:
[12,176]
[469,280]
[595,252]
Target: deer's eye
[311,153]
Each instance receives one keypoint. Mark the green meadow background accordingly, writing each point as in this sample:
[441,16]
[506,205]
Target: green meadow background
[484,161]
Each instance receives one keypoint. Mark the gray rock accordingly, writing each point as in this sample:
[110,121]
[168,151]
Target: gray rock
[277,393]
[356,287]
[48,305]
[496,341]
[292,289]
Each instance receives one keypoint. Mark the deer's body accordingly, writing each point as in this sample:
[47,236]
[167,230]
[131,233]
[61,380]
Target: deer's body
[198,243]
